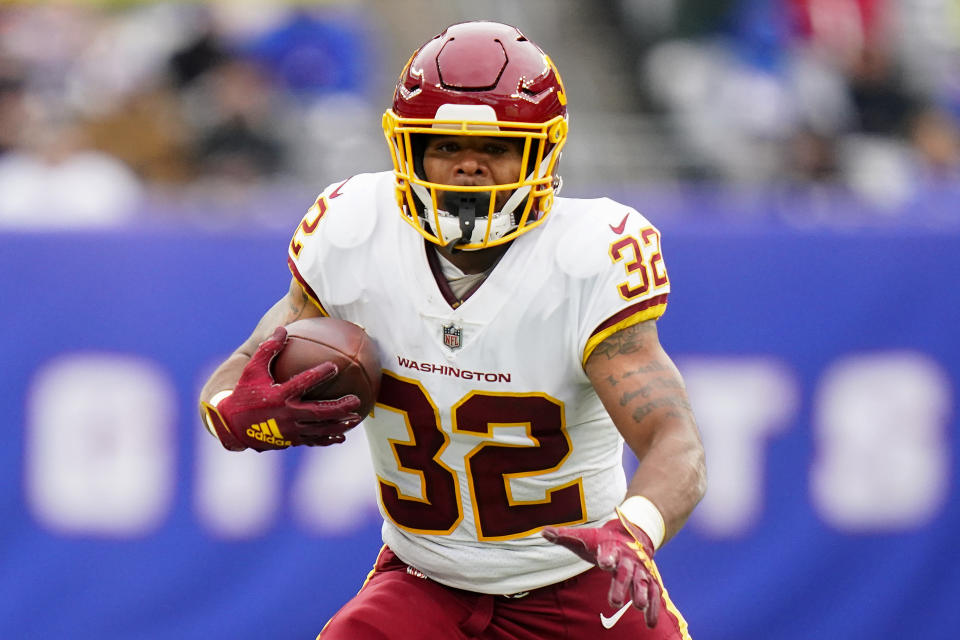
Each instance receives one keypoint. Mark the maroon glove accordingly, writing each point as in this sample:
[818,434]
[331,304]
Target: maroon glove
[623,549]
[261,414]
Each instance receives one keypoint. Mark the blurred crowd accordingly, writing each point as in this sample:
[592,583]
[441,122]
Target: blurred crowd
[218,111]
[862,95]
[206,111]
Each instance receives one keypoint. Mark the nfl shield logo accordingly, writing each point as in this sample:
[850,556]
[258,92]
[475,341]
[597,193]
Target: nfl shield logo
[452,336]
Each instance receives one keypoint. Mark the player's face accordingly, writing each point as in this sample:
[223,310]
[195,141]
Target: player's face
[474,161]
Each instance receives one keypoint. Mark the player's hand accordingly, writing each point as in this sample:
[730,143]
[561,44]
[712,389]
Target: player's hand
[624,550]
[261,414]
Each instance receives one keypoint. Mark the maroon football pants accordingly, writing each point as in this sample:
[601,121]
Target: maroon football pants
[397,603]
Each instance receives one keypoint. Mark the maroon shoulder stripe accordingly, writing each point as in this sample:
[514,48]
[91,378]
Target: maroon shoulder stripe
[623,314]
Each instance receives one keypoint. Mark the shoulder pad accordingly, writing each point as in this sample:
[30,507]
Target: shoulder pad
[583,248]
[344,214]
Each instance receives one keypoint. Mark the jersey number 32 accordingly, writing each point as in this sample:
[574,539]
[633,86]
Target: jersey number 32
[489,466]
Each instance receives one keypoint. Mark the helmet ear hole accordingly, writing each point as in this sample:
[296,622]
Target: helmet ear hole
[557,132]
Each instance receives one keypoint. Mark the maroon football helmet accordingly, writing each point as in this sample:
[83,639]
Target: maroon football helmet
[478,79]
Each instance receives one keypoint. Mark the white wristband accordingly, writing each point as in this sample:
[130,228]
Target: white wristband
[214,401]
[643,513]
[219,396]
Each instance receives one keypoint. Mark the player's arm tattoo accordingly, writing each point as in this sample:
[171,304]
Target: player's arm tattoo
[648,385]
[650,388]
[629,340]
[297,303]
[674,406]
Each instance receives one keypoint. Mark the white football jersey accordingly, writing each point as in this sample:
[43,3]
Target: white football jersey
[486,428]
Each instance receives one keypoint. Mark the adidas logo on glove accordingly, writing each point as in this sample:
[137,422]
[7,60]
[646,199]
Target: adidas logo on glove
[267,432]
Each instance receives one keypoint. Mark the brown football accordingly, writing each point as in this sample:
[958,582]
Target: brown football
[312,341]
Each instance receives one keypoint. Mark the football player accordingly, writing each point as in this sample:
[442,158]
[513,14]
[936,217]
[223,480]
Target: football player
[518,336]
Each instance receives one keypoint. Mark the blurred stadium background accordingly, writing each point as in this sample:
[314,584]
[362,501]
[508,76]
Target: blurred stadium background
[801,157]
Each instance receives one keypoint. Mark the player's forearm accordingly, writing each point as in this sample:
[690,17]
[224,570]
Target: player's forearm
[672,475]
[225,376]
[644,394]
[218,386]
[655,418]
[289,308]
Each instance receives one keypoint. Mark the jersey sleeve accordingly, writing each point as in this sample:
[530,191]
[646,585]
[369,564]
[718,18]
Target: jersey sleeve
[340,218]
[632,286]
